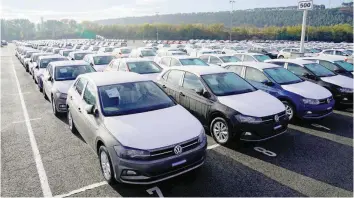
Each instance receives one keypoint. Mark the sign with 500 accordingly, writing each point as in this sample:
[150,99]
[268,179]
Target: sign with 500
[305,5]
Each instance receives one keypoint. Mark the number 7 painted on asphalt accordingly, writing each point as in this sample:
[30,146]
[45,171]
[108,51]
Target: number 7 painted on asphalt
[156,189]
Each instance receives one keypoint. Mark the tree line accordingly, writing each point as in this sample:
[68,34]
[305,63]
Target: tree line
[22,29]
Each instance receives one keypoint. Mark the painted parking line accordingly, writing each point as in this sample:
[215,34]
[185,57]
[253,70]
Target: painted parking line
[320,126]
[89,187]
[265,151]
[37,157]
[328,136]
[213,146]
[156,190]
[343,113]
[303,184]
[33,119]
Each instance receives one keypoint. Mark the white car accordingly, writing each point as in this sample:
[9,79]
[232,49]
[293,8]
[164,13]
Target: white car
[251,57]
[122,52]
[57,79]
[127,119]
[143,53]
[98,61]
[141,66]
[218,59]
[184,60]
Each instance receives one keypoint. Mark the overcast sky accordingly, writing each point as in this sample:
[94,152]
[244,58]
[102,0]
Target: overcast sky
[103,9]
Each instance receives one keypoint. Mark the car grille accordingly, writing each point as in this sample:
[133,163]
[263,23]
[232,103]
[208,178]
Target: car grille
[169,151]
[324,101]
[271,118]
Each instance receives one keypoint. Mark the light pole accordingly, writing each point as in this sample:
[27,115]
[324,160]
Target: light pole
[232,11]
[157,29]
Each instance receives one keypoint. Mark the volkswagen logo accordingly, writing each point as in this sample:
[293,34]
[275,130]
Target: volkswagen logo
[276,118]
[328,100]
[177,149]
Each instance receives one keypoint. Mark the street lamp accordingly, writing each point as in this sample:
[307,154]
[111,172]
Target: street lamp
[232,11]
[157,29]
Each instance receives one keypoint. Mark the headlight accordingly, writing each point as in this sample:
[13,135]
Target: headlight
[202,137]
[248,119]
[310,101]
[61,95]
[130,153]
[345,90]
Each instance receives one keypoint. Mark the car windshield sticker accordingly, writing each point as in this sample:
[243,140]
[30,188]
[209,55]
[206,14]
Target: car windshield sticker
[113,93]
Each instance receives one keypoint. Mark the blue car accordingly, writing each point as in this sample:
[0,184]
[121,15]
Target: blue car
[303,99]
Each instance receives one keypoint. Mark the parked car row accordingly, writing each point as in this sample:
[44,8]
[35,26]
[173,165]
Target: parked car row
[147,120]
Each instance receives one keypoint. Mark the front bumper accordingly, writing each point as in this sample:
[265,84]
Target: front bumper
[263,131]
[60,104]
[149,172]
[315,111]
[344,98]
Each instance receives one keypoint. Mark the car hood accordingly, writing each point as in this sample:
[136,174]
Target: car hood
[63,86]
[308,90]
[339,80]
[257,103]
[154,129]
[100,68]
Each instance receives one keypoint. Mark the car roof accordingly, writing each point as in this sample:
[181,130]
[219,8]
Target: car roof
[114,77]
[257,65]
[200,70]
[68,62]
[295,61]
[100,54]
[129,60]
[327,58]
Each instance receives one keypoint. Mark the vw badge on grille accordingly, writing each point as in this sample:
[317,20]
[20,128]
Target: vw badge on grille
[328,100]
[276,118]
[177,149]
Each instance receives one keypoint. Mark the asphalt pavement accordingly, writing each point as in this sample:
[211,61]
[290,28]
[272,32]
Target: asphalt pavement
[41,157]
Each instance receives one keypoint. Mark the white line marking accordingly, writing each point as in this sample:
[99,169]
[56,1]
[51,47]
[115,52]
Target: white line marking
[265,151]
[155,189]
[15,122]
[89,187]
[15,94]
[320,126]
[37,157]
[213,146]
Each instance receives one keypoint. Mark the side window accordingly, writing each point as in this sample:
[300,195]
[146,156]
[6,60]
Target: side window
[286,50]
[174,77]
[165,76]
[339,53]
[175,62]
[297,70]
[123,67]
[215,60]
[255,75]
[192,82]
[80,85]
[239,56]
[248,58]
[165,61]
[205,58]
[328,65]
[236,69]
[89,96]
[328,52]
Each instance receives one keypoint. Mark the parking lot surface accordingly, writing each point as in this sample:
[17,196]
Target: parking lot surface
[41,157]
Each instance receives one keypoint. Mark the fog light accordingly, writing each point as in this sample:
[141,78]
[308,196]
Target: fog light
[248,133]
[129,172]
[309,112]
[345,99]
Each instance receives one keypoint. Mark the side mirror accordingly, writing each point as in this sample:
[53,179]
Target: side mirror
[37,67]
[31,61]
[141,56]
[91,64]
[199,91]
[268,83]
[310,76]
[90,109]
[49,78]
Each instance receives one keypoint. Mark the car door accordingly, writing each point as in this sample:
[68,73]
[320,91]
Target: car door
[259,80]
[75,104]
[302,72]
[195,103]
[89,122]
[172,84]
[48,83]
[236,69]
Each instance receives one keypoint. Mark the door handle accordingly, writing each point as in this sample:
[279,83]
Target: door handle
[71,97]
[181,94]
[164,86]
[79,109]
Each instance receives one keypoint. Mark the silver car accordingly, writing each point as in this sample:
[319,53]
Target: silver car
[57,79]
[139,133]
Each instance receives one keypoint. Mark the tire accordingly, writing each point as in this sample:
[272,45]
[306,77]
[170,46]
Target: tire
[106,166]
[54,108]
[289,110]
[219,129]
[280,57]
[72,126]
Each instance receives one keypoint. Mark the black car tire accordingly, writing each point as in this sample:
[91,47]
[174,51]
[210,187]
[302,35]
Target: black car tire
[220,123]
[110,180]
[71,123]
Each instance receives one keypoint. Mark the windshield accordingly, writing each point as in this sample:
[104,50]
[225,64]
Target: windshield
[345,65]
[261,58]
[70,72]
[102,60]
[223,84]
[193,61]
[349,52]
[125,51]
[229,59]
[131,98]
[44,62]
[319,70]
[80,56]
[146,67]
[147,53]
[66,53]
[282,76]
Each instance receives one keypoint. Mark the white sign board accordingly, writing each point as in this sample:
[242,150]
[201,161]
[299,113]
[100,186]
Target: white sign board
[305,5]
